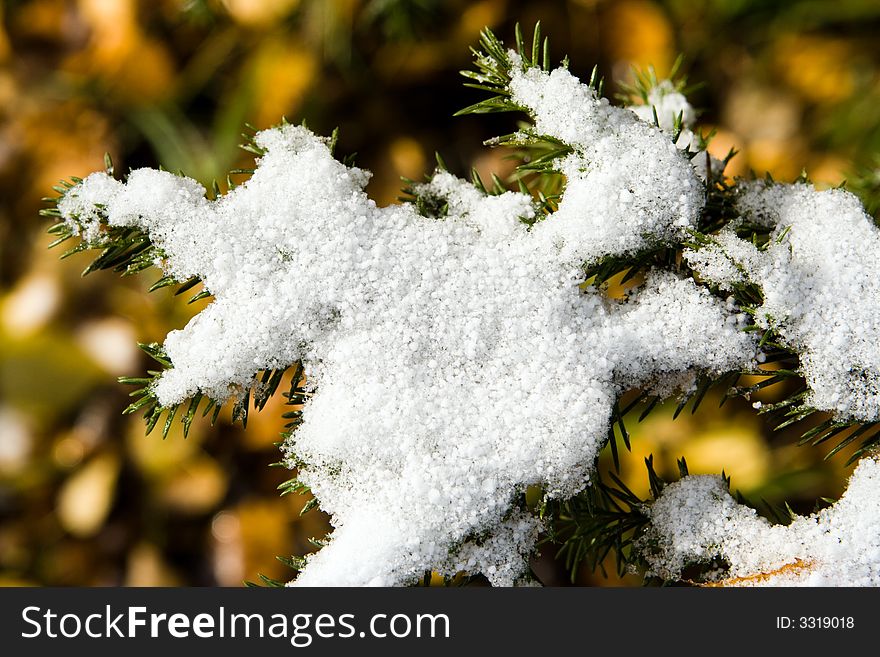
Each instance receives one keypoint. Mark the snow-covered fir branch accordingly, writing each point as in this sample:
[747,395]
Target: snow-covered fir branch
[696,521]
[456,359]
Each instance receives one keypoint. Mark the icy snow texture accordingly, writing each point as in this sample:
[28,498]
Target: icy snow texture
[455,360]
[668,104]
[821,285]
[696,520]
[628,186]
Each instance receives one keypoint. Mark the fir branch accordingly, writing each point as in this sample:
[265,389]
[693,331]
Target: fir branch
[267,582]
[148,402]
[128,250]
[426,202]
[125,250]
[646,80]
[781,362]
[607,518]
[264,385]
[604,519]
[537,152]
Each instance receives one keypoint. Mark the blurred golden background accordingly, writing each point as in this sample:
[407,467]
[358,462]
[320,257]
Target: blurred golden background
[85,497]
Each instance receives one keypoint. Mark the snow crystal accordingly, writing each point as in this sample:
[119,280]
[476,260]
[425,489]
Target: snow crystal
[455,360]
[696,520]
[821,286]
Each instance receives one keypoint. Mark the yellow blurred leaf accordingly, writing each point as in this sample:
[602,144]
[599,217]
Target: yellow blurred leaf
[829,170]
[16,440]
[136,68]
[68,451]
[760,112]
[154,456]
[736,449]
[113,24]
[638,33]
[4,38]
[783,158]
[30,304]
[711,440]
[111,342]
[61,140]
[477,15]
[146,567]
[407,157]
[195,487]
[13,581]
[248,538]
[264,532]
[281,73]
[43,19]
[86,497]
[259,13]
[818,67]
[45,375]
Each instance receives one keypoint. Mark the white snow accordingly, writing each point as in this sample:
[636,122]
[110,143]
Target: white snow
[669,104]
[696,520]
[821,286]
[455,360]
[628,186]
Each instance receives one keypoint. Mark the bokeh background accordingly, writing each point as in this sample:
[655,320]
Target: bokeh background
[85,497]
